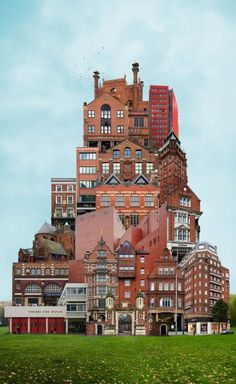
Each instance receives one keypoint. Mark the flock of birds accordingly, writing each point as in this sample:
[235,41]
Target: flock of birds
[84,70]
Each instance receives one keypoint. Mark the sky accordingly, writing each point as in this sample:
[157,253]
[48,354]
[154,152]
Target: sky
[49,50]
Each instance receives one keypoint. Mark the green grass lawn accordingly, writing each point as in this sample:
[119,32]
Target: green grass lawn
[82,359]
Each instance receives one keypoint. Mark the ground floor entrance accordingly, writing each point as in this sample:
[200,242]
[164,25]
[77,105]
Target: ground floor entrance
[125,324]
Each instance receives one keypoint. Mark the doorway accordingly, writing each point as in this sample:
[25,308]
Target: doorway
[125,324]
[163,330]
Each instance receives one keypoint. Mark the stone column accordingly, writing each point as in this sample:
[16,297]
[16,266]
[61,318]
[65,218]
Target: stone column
[198,328]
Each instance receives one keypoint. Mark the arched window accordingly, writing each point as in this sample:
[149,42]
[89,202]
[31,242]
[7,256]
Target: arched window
[134,200]
[51,288]
[105,200]
[138,153]
[149,200]
[33,288]
[116,154]
[105,111]
[120,200]
[127,153]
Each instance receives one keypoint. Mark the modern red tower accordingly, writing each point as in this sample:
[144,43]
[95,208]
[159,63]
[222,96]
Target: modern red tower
[163,114]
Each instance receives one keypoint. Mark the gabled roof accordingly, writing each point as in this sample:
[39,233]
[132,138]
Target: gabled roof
[47,228]
[171,137]
[141,179]
[112,180]
[129,142]
[106,96]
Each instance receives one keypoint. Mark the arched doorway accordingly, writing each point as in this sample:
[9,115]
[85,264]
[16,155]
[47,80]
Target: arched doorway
[163,330]
[99,329]
[125,324]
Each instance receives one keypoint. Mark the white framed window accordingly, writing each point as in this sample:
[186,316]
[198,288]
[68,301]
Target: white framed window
[120,129]
[127,283]
[119,113]
[185,201]
[166,286]
[116,168]
[58,212]
[149,167]
[91,114]
[152,286]
[181,234]
[105,168]
[70,188]
[127,294]
[105,200]
[160,286]
[58,199]
[106,113]
[181,217]
[105,129]
[142,271]
[149,200]
[91,129]
[120,200]
[58,188]
[70,212]
[83,170]
[101,290]
[142,259]
[69,199]
[179,287]
[166,302]
[134,200]
[87,156]
[142,283]
[138,168]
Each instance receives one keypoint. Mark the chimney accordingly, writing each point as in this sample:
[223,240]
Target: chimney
[135,69]
[141,90]
[96,78]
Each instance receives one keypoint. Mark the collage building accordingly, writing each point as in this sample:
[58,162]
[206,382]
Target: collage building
[122,254]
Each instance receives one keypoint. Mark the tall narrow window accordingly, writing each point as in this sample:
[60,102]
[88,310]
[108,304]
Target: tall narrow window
[127,153]
[138,168]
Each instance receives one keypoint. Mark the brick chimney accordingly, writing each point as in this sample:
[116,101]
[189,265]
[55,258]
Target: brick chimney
[135,69]
[96,78]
